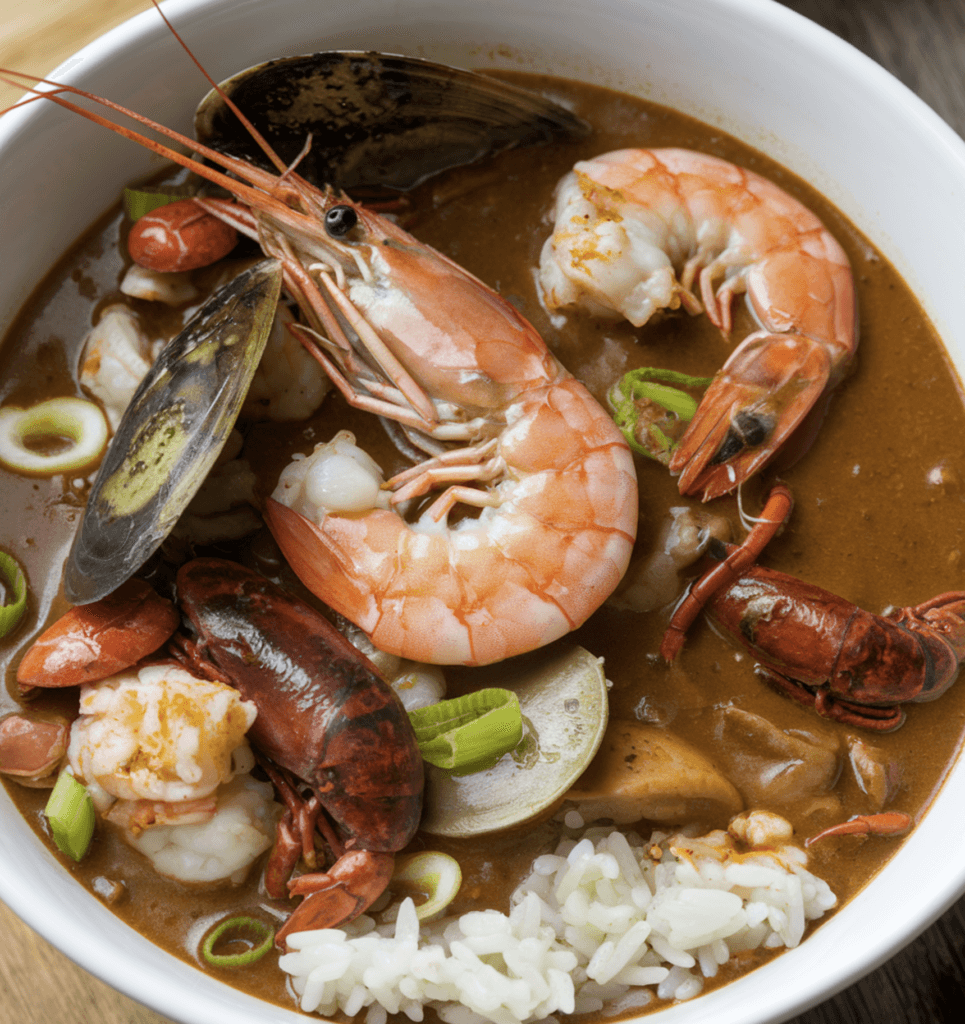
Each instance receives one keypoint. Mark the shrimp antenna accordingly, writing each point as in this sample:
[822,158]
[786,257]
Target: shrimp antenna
[746,519]
[263,143]
[262,185]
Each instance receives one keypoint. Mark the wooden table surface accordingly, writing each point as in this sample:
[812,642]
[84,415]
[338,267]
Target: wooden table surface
[920,41]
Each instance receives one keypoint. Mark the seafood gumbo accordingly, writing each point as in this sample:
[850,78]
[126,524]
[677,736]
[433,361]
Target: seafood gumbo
[748,771]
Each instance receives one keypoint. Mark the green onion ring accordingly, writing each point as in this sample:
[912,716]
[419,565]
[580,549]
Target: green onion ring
[438,874]
[12,613]
[81,421]
[653,384]
[470,733]
[70,812]
[241,924]
[140,201]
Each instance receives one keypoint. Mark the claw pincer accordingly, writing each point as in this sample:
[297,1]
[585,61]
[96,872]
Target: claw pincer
[888,823]
[324,716]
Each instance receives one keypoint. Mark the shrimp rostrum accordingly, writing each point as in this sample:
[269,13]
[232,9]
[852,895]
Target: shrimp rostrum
[638,231]
[501,427]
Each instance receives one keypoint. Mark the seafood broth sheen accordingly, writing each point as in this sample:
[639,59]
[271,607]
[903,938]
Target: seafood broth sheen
[877,520]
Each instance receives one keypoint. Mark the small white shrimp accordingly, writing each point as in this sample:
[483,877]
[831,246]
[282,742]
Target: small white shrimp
[116,355]
[157,733]
[636,229]
[221,846]
[289,384]
[173,289]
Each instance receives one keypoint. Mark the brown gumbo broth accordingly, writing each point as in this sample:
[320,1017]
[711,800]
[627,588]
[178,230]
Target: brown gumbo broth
[877,520]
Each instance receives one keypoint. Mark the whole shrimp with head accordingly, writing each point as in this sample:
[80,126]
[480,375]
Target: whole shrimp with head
[506,429]
[501,427]
[639,231]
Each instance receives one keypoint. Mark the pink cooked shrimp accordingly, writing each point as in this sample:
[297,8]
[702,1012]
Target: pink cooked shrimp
[636,229]
[541,459]
[407,334]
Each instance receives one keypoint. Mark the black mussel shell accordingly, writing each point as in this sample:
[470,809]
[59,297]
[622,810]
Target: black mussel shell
[377,120]
[171,434]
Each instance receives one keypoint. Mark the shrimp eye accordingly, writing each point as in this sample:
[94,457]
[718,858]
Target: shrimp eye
[340,220]
[747,430]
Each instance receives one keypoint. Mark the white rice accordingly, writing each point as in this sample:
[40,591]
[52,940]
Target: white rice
[604,923]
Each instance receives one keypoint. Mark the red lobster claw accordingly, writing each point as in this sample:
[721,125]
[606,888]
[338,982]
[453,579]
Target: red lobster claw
[888,823]
[353,883]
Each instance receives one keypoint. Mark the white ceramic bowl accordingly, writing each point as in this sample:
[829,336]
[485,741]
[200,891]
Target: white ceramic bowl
[749,66]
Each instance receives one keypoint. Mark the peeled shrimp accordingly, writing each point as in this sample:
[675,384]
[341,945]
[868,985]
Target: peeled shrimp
[158,734]
[288,384]
[117,353]
[222,845]
[637,229]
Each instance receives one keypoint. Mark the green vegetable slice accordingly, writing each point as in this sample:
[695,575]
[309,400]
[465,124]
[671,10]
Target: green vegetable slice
[648,402]
[12,612]
[78,428]
[436,874]
[70,812]
[141,201]
[563,697]
[246,927]
[470,733]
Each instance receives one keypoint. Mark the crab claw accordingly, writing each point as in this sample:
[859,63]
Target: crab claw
[353,883]
[759,397]
[888,823]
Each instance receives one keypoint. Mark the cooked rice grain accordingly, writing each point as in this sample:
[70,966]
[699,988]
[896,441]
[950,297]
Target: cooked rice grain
[598,925]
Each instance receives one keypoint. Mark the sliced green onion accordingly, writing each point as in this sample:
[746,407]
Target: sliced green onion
[12,612]
[141,201]
[247,928]
[469,733]
[643,389]
[436,875]
[70,812]
[80,424]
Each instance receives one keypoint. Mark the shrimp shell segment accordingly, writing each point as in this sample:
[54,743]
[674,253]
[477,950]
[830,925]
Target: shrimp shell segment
[552,476]
[638,231]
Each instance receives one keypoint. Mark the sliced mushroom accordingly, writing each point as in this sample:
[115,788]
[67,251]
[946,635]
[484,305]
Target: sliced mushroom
[877,775]
[564,705]
[647,772]
[777,768]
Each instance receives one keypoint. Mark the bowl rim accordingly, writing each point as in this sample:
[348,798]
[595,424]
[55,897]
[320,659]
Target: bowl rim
[931,900]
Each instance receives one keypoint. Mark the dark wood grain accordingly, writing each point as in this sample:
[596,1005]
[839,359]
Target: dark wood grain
[922,42]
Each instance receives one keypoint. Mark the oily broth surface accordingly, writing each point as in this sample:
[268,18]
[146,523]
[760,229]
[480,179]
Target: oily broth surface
[877,520]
